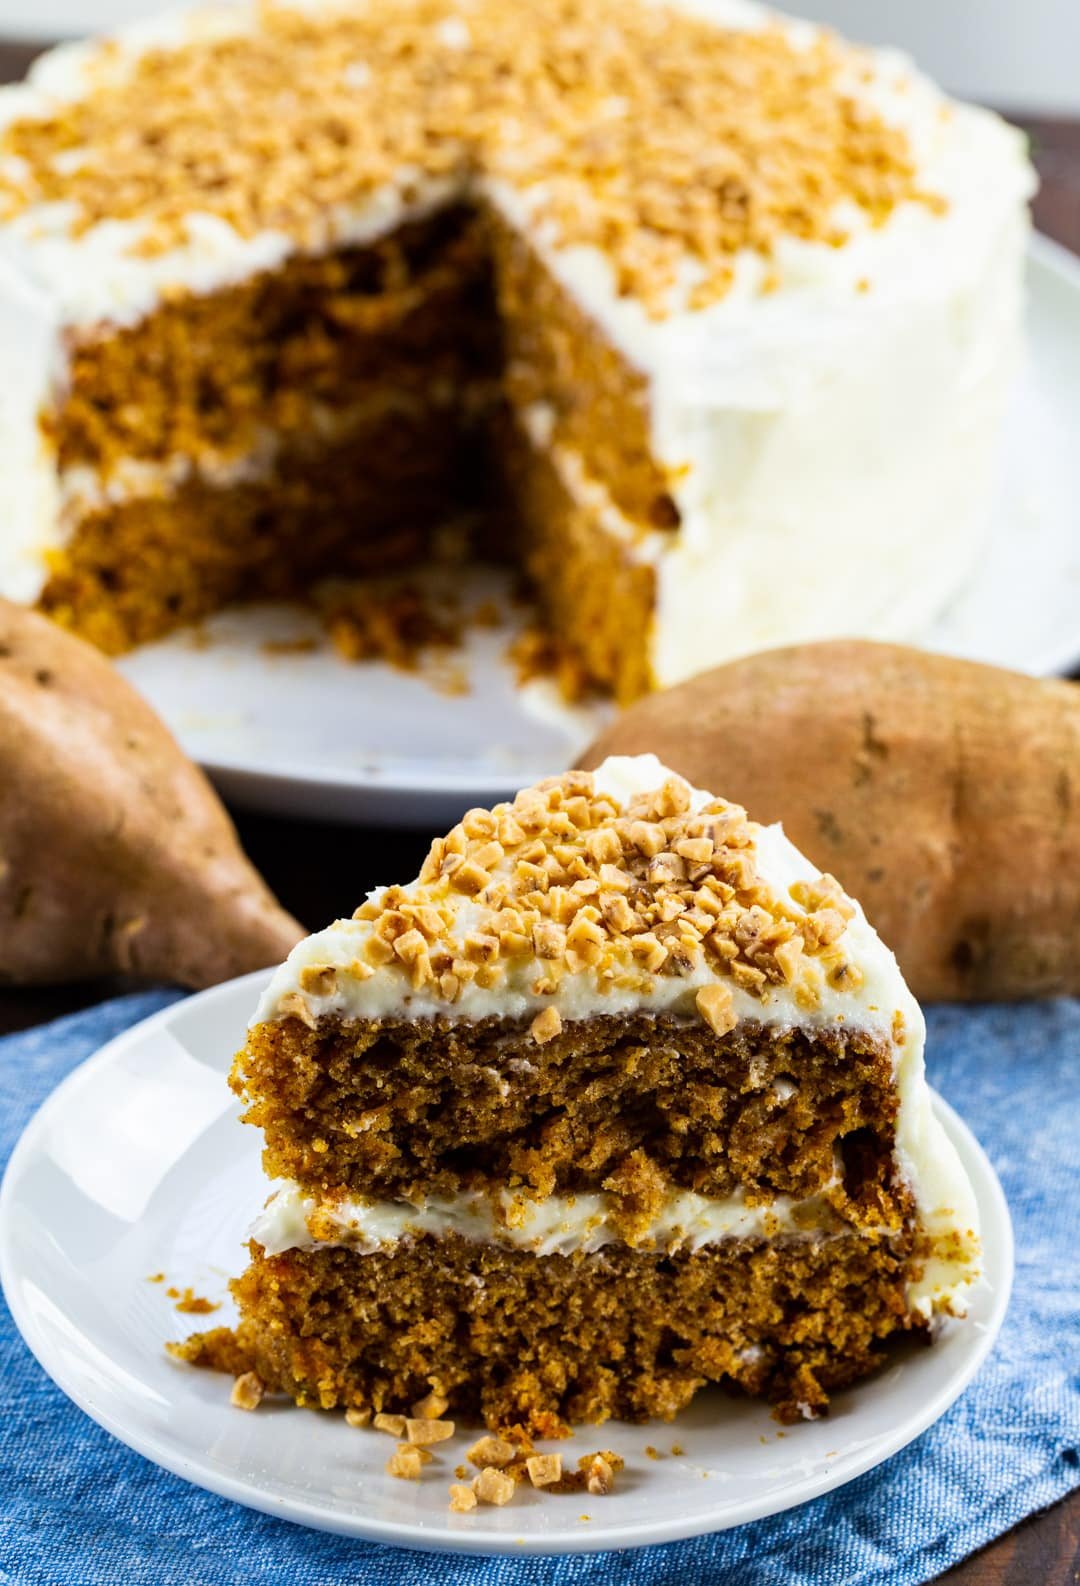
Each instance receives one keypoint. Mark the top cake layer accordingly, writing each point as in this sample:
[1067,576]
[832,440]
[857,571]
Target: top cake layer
[682,149]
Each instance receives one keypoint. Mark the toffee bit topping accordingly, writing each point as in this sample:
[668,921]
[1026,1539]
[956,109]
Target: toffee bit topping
[668,143]
[318,980]
[296,1005]
[491,1451]
[544,1469]
[462,1498]
[407,1463]
[493,1486]
[599,1476]
[428,1431]
[430,1407]
[545,1026]
[716,1006]
[247,1391]
[575,884]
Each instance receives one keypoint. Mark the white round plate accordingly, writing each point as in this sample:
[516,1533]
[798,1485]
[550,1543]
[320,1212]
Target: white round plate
[310,734]
[137,1165]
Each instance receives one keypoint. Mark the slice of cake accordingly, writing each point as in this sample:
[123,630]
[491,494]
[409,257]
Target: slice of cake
[618,1098]
[721,307]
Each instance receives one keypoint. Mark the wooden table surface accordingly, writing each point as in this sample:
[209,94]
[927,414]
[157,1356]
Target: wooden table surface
[1042,1551]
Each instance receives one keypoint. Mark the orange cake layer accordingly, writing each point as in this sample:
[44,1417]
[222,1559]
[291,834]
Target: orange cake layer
[533,1345]
[137,567]
[593,592]
[629,1104]
[408,316]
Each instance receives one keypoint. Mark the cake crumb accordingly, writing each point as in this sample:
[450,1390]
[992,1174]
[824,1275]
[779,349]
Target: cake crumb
[394,1424]
[652,1453]
[493,1486]
[424,1432]
[462,1499]
[599,1470]
[191,1304]
[544,1469]
[406,1463]
[156,1277]
[537,653]
[356,1417]
[491,1451]
[298,646]
[677,1449]
[247,1391]
[599,1477]
[396,624]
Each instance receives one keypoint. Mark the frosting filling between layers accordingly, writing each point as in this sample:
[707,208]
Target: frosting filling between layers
[569,1224]
[85,489]
[557,1225]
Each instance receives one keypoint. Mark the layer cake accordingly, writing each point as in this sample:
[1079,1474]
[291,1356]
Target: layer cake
[706,314]
[620,1097]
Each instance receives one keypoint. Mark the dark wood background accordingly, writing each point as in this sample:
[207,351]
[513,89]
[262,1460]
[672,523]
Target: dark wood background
[1042,1551]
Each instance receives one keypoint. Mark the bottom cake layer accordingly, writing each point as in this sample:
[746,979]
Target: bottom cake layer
[360,500]
[534,1344]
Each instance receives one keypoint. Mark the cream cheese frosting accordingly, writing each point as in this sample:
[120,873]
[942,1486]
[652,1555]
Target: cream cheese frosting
[557,1225]
[874,1004]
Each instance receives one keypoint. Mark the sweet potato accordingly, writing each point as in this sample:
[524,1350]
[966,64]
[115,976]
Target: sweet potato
[944,795]
[115,853]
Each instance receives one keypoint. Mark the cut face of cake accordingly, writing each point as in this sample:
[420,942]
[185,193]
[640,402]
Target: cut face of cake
[664,295]
[620,1097]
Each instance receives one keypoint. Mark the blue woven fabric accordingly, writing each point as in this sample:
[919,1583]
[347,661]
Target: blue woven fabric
[78,1509]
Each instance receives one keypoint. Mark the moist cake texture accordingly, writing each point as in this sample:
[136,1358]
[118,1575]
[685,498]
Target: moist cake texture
[694,260]
[620,1097]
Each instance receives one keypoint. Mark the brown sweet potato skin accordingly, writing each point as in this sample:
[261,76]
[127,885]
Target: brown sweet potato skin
[943,794]
[116,855]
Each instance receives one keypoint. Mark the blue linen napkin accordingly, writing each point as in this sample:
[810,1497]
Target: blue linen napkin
[79,1509]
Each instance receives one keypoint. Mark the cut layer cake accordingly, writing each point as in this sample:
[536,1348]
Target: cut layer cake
[705,315]
[620,1097]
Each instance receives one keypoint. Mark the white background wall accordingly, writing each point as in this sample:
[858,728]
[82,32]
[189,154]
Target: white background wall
[1019,54]
[1022,54]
